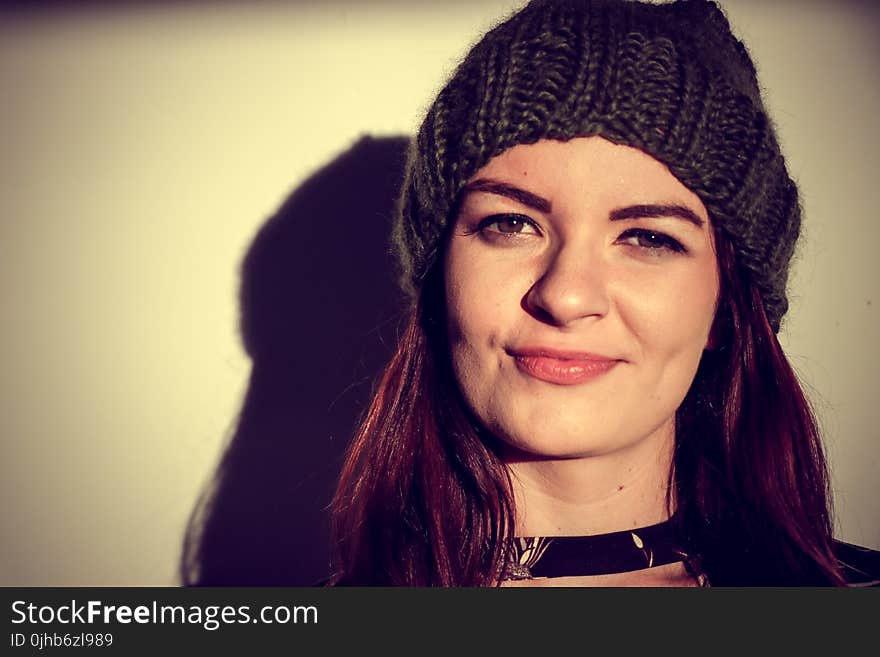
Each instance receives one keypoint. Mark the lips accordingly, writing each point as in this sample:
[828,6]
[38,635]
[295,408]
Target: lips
[561,367]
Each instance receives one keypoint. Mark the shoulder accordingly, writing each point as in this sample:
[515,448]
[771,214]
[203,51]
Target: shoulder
[860,565]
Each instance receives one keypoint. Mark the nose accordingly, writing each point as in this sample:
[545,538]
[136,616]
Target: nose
[572,285]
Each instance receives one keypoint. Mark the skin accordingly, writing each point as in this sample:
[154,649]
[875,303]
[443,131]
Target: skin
[593,456]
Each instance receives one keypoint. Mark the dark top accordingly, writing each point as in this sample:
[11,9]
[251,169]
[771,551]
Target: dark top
[598,554]
[641,548]
[861,565]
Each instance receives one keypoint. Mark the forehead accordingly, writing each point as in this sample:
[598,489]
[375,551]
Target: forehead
[590,170]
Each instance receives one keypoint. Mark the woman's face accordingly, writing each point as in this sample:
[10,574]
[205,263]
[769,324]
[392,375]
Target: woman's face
[581,284]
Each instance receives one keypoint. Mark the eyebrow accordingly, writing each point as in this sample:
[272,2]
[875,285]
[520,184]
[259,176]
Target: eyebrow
[529,199]
[657,210]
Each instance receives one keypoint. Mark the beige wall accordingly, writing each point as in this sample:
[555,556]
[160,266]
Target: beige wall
[142,149]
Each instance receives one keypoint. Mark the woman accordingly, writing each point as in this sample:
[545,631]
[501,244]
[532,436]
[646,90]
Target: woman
[596,229]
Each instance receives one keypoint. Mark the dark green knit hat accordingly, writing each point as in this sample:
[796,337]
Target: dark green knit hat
[669,79]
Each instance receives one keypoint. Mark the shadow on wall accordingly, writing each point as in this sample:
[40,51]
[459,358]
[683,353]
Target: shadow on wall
[320,310]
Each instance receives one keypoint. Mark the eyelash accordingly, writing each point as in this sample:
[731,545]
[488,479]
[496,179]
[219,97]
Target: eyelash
[661,241]
[484,224]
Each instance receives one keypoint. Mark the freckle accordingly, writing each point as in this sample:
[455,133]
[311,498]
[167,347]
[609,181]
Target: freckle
[868,302]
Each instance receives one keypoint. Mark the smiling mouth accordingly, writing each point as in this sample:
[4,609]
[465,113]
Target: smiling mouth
[562,370]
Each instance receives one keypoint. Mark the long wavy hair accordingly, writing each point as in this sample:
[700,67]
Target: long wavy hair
[423,498]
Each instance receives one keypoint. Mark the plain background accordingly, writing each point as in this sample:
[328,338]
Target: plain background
[142,148]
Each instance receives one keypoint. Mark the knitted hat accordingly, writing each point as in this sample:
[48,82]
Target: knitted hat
[668,79]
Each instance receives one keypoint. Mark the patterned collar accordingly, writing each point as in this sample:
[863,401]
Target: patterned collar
[599,554]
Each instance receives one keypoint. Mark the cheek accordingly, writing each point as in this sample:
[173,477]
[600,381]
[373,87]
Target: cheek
[469,329]
[461,311]
[483,311]
[468,323]
[482,297]
[673,312]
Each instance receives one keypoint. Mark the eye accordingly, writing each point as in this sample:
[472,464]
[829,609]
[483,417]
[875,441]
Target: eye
[651,242]
[508,224]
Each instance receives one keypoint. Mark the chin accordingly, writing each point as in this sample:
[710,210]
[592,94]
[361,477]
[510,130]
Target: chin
[563,439]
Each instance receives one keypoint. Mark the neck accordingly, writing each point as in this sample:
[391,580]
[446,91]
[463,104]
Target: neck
[594,494]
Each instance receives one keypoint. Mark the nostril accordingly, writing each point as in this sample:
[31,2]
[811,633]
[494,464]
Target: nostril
[536,310]
[550,306]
